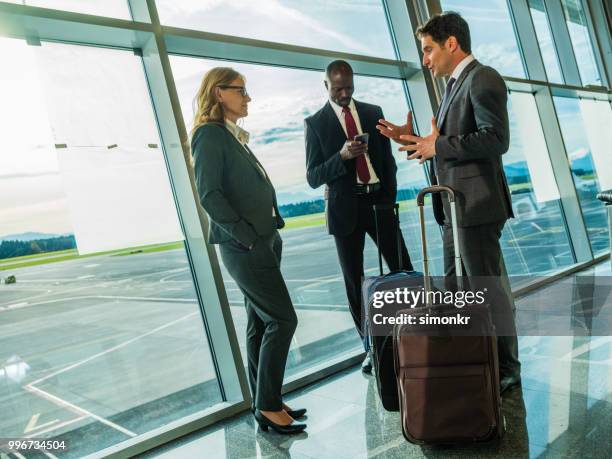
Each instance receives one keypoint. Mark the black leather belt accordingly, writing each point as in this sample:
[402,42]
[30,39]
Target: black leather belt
[361,188]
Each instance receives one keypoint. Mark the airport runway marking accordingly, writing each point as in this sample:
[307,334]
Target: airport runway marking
[146,298]
[79,410]
[75,408]
[179,272]
[57,426]
[33,423]
[106,297]
[307,306]
[83,287]
[112,349]
[327,280]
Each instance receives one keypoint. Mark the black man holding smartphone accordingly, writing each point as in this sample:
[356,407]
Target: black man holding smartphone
[346,152]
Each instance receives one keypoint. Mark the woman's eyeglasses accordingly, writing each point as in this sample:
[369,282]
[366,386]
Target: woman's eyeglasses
[241,89]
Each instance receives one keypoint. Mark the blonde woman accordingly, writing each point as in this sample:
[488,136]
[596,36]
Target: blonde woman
[240,200]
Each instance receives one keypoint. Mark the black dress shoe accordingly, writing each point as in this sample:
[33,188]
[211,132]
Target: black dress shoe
[265,423]
[508,382]
[295,414]
[366,366]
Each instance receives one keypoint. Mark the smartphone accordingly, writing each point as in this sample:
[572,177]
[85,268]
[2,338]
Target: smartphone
[362,137]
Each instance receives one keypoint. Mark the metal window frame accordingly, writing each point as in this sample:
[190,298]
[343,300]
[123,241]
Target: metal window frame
[599,28]
[525,32]
[563,43]
[157,42]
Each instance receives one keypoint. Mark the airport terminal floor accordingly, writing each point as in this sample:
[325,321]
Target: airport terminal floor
[563,409]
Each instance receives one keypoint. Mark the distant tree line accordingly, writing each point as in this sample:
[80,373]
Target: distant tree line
[318,205]
[518,179]
[12,249]
[302,208]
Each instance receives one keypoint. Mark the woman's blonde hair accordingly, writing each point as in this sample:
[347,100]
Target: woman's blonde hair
[208,108]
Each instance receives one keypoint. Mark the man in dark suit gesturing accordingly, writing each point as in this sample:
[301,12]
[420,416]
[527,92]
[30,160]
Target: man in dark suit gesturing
[358,175]
[469,134]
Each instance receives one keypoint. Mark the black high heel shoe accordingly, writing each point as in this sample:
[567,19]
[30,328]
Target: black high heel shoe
[295,414]
[265,423]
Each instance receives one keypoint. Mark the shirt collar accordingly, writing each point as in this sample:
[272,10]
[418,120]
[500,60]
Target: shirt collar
[338,109]
[461,66]
[237,131]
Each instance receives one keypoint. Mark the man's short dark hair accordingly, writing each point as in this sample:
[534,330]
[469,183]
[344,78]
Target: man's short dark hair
[338,66]
[446,24]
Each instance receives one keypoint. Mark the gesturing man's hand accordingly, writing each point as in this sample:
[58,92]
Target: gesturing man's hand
[423,147]
[395,132]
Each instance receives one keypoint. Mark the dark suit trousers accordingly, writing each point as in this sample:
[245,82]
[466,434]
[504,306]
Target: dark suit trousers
[350,252]
[482,257]
[271,319]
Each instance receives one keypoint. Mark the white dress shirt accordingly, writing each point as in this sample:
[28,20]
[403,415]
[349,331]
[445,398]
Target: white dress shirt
[340,114]
[243,136]
[461,67]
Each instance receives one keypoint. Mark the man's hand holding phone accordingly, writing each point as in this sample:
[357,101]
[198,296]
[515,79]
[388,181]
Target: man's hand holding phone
[354,148]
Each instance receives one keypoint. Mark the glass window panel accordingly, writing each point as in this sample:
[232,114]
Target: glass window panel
[282,98]
[91,329]
[492,33]
[111,8]
[581,42]
[585,126]
[535,241]
[351,26]
[545,40]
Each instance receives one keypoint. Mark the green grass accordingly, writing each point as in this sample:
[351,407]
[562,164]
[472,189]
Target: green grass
[72,254]
[519,186]
[304,221]
[40,261]
[149,249]
[39,255]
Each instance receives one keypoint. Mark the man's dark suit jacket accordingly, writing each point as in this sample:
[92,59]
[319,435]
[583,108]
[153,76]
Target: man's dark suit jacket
[233,190]
[474,134]
[324,140]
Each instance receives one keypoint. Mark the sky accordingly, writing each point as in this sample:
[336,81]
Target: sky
[91,98]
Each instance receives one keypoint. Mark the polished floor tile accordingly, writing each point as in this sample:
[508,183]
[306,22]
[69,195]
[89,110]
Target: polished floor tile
[562,410]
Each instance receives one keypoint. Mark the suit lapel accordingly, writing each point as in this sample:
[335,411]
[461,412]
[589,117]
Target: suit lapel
[363,117]
[251,156]
[366,126]
[335,133]
[248,154]
[334,122]
[442,116]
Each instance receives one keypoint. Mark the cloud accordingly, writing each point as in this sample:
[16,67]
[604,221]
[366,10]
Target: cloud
[319,24]
[502,57]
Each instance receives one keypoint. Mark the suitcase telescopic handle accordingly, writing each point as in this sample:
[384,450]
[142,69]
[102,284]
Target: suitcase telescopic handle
[421,204]
[395,208]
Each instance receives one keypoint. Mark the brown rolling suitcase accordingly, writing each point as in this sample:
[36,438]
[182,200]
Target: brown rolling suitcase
[448,386]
